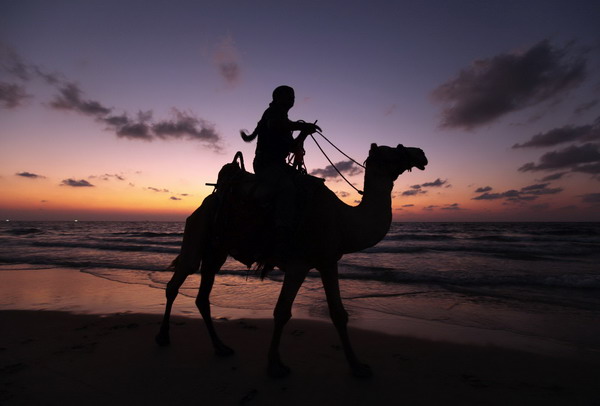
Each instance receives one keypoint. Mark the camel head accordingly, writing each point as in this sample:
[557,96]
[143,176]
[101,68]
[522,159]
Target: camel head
[396,160]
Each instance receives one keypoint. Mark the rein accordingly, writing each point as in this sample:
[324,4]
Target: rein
[360,192]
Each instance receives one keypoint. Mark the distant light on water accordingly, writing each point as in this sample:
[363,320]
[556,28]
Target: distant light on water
[76,221]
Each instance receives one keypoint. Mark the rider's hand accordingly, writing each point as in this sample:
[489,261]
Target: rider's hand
[309,128]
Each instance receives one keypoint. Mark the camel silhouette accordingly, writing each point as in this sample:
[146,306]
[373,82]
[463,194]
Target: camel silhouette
[232,222]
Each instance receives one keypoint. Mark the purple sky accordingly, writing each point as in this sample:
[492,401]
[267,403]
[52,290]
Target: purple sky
[124,109]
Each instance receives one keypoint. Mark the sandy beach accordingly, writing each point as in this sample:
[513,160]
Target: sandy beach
[51,357]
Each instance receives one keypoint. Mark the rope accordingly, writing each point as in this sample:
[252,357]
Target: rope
[360,192]
[339,150]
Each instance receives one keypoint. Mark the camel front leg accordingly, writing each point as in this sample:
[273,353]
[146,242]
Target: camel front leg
[339,316]
[282,314]
[210,267]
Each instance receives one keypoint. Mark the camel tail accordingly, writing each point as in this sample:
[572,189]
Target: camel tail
[263,268]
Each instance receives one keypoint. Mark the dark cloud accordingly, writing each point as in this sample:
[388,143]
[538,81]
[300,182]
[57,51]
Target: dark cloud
[586,106]
[30,175]
[571,157]
[593,198]
[158,190]
[554,176]
[347,168]
[76,183]
[418,189]
[12,95]
[453,206]
[593,169]
[561,135]
[414,192]
[186,125]
[436,183]
[174,198]
[526,193]
[342,194]
[108,176]
[483,189]
[70,98]
[430,207]
[491,88]
[12,63]
[408,205]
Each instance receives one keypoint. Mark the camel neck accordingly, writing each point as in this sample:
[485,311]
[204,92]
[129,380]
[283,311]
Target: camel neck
[371,219]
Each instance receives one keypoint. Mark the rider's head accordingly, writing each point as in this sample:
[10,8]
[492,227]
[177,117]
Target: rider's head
[284,96]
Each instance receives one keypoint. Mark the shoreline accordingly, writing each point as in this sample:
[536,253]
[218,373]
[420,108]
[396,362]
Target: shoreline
[33,288]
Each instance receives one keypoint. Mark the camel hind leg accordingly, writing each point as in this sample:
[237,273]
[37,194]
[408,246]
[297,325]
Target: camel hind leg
[196,236]
[339,316]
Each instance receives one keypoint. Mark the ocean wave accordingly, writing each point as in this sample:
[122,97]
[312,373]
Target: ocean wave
[107,246]
[23,231]
[510,251]
[148,234]
[419,237]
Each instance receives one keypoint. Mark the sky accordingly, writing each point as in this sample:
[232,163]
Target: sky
[123,110]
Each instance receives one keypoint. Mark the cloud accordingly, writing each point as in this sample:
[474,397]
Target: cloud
[561,135]
[414,192]
[76,183]
[491,88]
[108,176]
[158,190]
[186,125]
[390,110]
[408,205]
[436,183]
[347,168]
[571,157]
[418,189]
[586,106]
[430,207]
[174,198]
[70,98]
[342,194]
[12,63]
[12,95]
[527,193]
[226,58]
[554,176]
[453,206]
[483,189]
[593,198]
[30,175]
[183,125]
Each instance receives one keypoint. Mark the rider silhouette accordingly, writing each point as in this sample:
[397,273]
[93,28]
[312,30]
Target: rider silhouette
[275,142]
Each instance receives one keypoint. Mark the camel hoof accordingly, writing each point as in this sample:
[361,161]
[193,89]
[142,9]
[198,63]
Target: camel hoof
[278,370]
[163,340]
[224,351]
[362,371]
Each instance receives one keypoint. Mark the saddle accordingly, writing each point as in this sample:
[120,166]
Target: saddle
[244,218]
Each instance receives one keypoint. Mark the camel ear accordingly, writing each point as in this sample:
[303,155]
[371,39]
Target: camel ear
[400,146]
[373,146]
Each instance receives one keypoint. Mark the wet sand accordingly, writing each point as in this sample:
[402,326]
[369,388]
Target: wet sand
[53,353]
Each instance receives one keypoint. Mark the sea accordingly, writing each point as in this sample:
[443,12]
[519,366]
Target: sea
[536,280]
